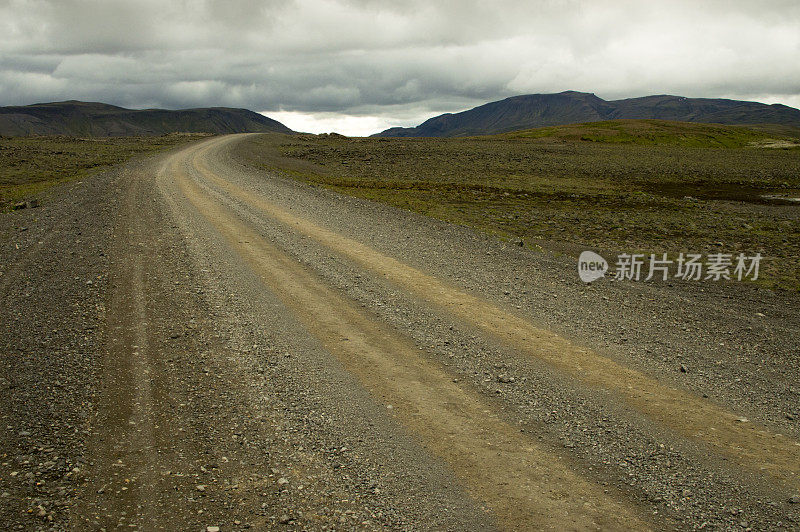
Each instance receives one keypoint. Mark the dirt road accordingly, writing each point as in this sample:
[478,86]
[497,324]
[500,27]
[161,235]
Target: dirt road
[265,354]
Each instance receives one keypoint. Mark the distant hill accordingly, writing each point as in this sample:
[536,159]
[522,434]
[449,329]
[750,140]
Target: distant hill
[82,119]
[570,107]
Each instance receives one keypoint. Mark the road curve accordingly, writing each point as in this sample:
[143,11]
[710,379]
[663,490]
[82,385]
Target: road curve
[277,354]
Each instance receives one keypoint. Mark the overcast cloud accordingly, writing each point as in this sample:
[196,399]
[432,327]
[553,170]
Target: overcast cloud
[362,65]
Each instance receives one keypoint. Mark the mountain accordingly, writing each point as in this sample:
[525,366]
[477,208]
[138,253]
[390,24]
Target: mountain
[570,107]
[85,119]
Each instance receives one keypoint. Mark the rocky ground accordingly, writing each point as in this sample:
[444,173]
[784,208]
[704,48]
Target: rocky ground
[155,375]
[54,280]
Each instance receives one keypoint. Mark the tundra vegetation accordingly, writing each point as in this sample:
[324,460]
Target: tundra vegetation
[29,165]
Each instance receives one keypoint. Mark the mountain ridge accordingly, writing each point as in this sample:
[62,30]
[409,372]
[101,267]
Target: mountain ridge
[95,119]
[571,107]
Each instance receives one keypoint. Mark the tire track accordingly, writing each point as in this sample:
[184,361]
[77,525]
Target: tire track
[123,477]
[525,485]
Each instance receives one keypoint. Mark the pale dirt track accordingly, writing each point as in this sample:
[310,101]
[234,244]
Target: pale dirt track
[273,359]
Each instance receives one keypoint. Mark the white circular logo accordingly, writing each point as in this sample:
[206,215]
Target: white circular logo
[591,266]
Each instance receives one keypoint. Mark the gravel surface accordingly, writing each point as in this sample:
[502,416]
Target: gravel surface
[738,343]
[54,272]
[151,379]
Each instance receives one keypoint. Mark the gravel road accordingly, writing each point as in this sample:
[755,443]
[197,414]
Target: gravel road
[189,341]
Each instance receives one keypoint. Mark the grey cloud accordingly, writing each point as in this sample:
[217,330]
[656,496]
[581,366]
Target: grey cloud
[383,57]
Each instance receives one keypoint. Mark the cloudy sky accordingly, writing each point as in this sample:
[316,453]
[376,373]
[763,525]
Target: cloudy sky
[359,66]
